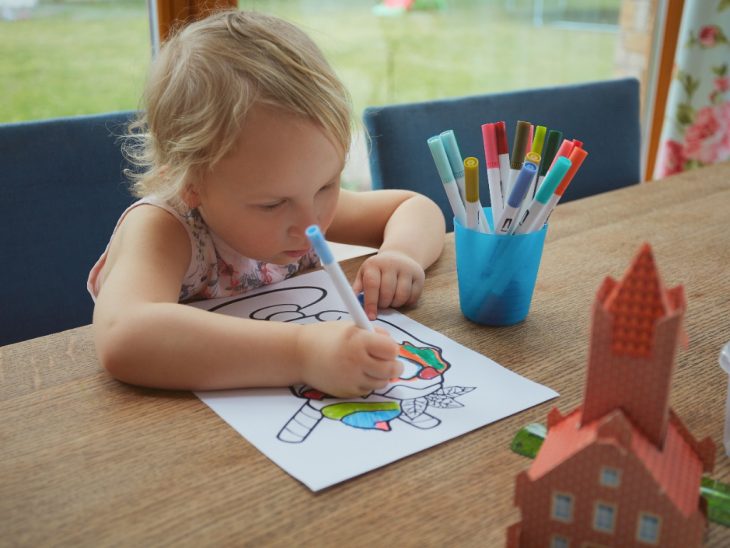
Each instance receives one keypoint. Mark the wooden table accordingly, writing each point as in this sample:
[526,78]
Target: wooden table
[87,460]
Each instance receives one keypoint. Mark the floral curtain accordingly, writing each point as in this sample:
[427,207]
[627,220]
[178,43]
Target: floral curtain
[696,128]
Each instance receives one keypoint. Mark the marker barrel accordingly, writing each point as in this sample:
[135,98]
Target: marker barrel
[332,267]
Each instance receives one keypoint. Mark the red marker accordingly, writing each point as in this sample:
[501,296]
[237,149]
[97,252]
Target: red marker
[503,153]
[494,176]
[565,149]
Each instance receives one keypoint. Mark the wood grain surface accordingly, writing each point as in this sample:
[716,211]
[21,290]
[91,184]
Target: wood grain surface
[86,460]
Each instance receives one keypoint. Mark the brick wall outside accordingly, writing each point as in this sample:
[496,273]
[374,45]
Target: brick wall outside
[633,52]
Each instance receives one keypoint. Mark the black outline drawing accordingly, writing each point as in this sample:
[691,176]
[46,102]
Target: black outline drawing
[400,401]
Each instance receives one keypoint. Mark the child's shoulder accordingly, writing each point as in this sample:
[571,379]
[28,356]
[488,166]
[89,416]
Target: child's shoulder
[152,218]
[147,227]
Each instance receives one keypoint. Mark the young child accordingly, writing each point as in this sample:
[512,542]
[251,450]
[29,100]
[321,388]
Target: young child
[240,146]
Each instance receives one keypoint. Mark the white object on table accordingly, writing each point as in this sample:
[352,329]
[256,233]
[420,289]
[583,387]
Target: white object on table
[725,364]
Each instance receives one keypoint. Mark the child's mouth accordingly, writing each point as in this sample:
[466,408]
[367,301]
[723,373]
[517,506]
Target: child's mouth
[296,254]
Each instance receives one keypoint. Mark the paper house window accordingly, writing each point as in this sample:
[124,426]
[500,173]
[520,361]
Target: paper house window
[559,542]
[562,507]
[648,529]
[604,517]
[610,477]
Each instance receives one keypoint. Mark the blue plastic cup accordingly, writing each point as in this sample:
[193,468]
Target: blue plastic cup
[497,273]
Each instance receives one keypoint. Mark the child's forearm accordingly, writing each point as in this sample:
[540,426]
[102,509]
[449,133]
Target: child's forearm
[173,346]
[417,229]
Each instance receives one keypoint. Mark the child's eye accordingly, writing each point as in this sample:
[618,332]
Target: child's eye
[271,207]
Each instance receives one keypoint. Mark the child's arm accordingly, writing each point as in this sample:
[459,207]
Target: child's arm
[409,231]
[144,337]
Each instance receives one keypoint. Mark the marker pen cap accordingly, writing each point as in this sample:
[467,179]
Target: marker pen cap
[471,172]
[524,178]
[316,238]
[577,143]
[551,147]
[565,149]
[539,139]
[576,159]
[489,137]
[439,157]
[533,157]
[500,129]
[552,179]
[452,152]
[519,144]
[528,143]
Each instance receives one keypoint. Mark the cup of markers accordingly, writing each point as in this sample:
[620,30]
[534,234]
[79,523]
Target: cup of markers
[499,248]
[496,273]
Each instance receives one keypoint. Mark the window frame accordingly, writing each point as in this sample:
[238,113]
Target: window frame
[560,539]
[596,508]
[610,469]
[554,505]
[659,522]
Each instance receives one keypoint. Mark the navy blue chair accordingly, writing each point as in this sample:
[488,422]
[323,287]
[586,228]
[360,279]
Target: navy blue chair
[604,115]
[62,190]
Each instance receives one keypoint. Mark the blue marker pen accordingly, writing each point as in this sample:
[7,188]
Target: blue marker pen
[508,220]
[314,234]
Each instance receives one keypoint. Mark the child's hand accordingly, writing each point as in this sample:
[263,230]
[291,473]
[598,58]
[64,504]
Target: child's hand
[389,279]
[344,360]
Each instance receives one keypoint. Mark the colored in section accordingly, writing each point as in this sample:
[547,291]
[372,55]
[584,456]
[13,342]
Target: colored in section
[430,359]
[365,415]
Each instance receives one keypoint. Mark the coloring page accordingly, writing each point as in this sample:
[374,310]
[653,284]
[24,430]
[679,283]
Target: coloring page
[445,390]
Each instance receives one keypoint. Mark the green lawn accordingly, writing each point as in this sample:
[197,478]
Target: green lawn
[91,56]
[73,58]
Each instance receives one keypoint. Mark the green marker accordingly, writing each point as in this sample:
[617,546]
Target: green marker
[539,139]
[554,138]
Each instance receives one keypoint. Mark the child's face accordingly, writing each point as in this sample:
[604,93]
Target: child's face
[282,176]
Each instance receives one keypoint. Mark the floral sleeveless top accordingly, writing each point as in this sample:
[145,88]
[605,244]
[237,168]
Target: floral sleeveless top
[215,269]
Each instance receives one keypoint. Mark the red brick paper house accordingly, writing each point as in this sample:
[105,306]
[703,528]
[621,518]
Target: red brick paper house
[622,469]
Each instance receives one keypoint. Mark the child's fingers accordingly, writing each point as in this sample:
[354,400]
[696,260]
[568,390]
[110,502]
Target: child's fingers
[383,371]
[416,290]
[357,284]
[370,286]
[404,290]
[382,347]
[387,289]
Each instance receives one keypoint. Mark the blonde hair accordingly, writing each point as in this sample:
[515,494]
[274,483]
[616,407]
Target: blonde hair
[204,81]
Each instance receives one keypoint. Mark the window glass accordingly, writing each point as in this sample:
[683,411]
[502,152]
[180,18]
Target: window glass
[610,477]
[648,528]
[447,48]
[604,517]
[562,507]
[559,542]
[67,57]
[441,48]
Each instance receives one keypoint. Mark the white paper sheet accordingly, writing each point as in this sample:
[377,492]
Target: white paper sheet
[446,390]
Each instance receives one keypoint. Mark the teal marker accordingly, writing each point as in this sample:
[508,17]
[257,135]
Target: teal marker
[447,178]
[535,215]
[455,161]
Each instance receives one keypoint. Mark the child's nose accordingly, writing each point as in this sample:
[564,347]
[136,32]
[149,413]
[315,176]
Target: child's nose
[305,216]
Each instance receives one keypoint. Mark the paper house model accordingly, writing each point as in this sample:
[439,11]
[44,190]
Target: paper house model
[621,469]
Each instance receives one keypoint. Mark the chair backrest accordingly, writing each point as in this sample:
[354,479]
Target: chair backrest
[604,115]
[61,192]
